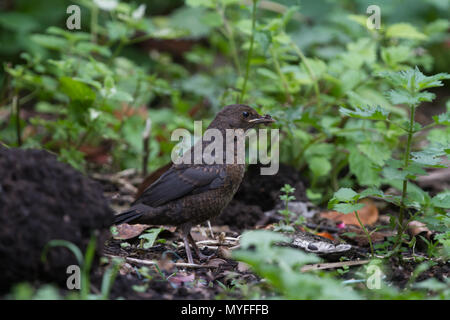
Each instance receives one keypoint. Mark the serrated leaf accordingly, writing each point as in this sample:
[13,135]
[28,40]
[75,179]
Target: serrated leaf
[400,96]
[374,192]
[394,174]
[405,31]
[368,112]
[443,119]
[442,200]
[413,79]
[375,151]
[363,169]
[395,55]
[345,195]
[429,157]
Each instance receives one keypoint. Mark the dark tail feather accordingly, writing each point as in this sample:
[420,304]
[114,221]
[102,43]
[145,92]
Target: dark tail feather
[130,215]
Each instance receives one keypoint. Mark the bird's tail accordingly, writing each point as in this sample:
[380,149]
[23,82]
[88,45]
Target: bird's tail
[131,215]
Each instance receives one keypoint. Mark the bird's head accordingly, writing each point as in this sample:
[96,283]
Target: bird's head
[239,116]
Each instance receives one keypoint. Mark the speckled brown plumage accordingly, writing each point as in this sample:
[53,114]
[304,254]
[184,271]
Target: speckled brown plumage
[188,194]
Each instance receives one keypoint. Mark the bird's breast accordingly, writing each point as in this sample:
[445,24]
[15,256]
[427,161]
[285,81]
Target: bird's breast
[235,173]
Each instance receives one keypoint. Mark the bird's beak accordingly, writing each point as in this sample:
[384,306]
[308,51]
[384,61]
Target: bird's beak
[263,119]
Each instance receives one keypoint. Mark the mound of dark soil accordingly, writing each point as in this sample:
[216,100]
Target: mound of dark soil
[42,199]
[258,193]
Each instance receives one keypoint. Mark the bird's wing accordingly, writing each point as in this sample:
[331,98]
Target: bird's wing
[183,180]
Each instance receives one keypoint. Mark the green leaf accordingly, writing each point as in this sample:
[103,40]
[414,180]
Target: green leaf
[320,166]
[428,157]
[394,174]
[347,208]
[400,96]
[405,31]
[368,112]
[395,55]
[200,3]
[76,90]
[363,169]
[17,21]
[150,236]
[443,119]
[442,200]
[374,192]
[50,42]
[413,79]
[264,39]
[261,239]
[375,151]
[63,243]
[346,195]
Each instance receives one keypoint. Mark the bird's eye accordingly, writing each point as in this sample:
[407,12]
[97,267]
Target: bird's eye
[245,114]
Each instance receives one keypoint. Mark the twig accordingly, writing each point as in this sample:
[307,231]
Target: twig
[153,263]
[332,265]
[210,229]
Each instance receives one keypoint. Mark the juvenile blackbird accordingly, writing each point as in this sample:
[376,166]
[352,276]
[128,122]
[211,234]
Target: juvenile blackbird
[189,194]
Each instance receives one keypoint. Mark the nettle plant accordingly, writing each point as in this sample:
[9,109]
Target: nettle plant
[301,81]
[400,169]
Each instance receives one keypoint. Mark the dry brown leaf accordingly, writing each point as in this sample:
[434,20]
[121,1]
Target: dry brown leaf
[128,231]
[368,215]
[416,228]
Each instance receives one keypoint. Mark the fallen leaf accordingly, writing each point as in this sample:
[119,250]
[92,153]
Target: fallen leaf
[128,231]
[368,215]
[416,228]
[325,235]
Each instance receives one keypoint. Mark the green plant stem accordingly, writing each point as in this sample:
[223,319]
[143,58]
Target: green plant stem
[16,109]
[250,52]
[94,23]
[366,232]
[405,181]
[310,72]
[230,35]
[281,75]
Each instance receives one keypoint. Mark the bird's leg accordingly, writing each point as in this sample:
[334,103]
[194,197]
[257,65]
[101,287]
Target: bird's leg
[197,250]
[186,231]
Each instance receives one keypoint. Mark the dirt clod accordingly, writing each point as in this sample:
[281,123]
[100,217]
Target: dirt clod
[42,199]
